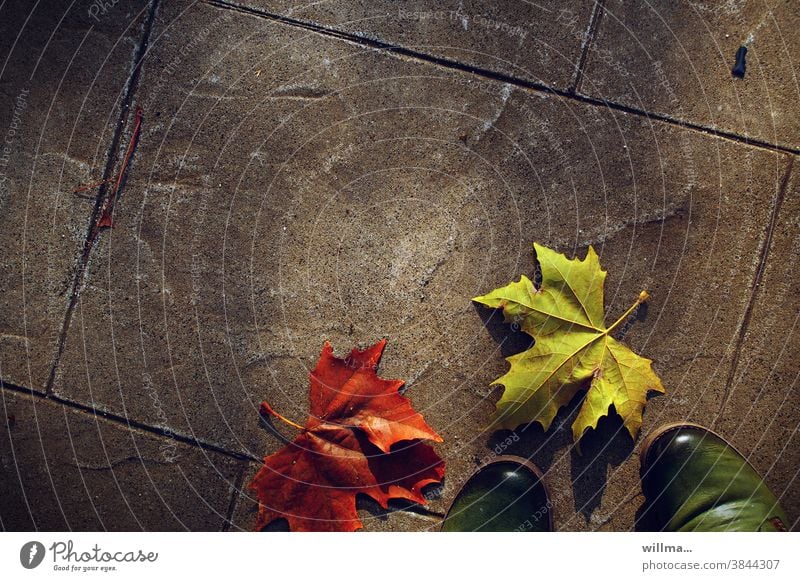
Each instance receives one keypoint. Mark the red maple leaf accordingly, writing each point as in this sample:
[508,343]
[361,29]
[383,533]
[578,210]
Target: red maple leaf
[362,436]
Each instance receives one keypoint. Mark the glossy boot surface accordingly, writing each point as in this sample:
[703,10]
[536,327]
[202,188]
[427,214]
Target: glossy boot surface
[505,495]
[693,480]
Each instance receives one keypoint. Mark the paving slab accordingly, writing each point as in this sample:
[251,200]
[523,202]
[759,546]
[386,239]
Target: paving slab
[760,416]
[540,42]
[676,58]
[62,74]
[65,469]
[291,188]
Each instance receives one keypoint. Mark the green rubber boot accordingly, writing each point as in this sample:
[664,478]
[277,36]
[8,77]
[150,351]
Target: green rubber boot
[505,495]
[693,480]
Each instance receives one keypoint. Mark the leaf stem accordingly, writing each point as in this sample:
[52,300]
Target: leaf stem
[265,407]
[643,296]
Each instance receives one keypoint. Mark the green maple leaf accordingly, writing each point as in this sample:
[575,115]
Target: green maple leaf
[573,349]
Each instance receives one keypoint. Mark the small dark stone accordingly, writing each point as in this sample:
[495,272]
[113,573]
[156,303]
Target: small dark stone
[738,69]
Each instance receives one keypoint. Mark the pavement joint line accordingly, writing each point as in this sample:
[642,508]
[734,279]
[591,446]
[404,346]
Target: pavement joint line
[591,31]
[416,509]
[420,510]
[766,246]
[131,84]
[128,422]
[500,77]
[237,487]
[571,94]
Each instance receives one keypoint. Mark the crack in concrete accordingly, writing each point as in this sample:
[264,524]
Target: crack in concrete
[237,488]
[750,37]
[488,124]
[22,338]
[211,95]
[299,93]
[67,159]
